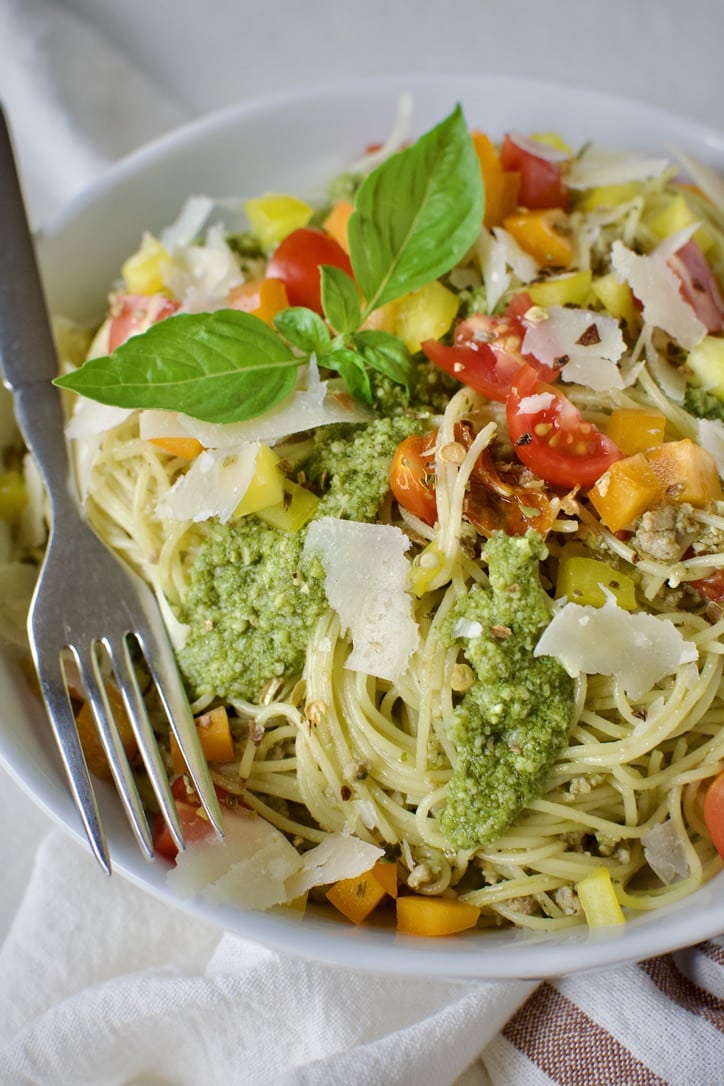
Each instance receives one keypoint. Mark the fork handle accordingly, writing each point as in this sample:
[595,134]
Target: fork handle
[27,352]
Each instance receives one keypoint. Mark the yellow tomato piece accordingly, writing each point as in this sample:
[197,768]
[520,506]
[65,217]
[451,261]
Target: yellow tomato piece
[616,298]
[336,222]
[425,313]
[187,448]
[598,899]
[570,289]
[296,508]
[610,195]
[143,272]
[274,216]
[215,737]
[686,472]
[635,429]
[582,580]
[356,898]
[544,234]
[502,188]
[266,487]
[431,916]
[13,496]
[625,491]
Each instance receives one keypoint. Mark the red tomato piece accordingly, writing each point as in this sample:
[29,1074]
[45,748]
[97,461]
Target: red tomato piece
[552,438]
[412,476]
[296,261]
[711,587]
[698,285]
[194,823]
[714,812]
[134,313]
[541,181]
[487,354]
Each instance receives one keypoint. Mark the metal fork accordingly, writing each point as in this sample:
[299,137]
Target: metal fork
[88,607]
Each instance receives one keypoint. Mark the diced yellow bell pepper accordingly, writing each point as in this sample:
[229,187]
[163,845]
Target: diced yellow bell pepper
[266,487]
[357,897]
[582,580]
[425,313]
[570,289]
[674,215]
[274,216]
[215,737]
[635,429]
[686,471]
[502,187]
[187,448]
[706,362]
[143,272]
[617,299]
[610,195]
[544,234]
[336,223]
[431,916]
[296,508]
[625,491]
[598,899]
[384,318]
[13,496]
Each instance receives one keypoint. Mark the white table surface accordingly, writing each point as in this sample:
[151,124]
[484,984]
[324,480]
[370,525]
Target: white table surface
[208,55]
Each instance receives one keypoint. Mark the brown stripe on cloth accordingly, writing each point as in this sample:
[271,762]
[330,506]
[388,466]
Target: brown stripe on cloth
[713,950]
[669,979]
[570,1047]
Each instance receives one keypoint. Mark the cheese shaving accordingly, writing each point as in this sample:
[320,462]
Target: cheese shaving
[657,288]
[213,486]
[366,577]
[638,648]
[595,167]
[584,344]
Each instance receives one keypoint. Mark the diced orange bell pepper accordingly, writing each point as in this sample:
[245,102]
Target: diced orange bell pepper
[357,897]
[635,429]
[625,491]
[263,298]
[544,234]
[386,875]
[90,740]
[502,188]
[336,223]
[215,736]
[187,448]
[430,916]
[686,472]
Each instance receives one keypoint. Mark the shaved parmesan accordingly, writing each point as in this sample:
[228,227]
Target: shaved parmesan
[539,148]
[705,177]
[202,275]
[638,648]
[91,418]
[595,167]
[366,577]
[335,857]
[256,867]
[665,851]
[522,264]
[189,224]
[493,268]
[657,288]
[584,344]
[213,486]
[249,868]
[318,404]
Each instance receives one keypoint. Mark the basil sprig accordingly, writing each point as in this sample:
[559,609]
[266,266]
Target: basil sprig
[416,215]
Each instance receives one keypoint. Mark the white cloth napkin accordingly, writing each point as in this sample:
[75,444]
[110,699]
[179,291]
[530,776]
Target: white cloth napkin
[101,984]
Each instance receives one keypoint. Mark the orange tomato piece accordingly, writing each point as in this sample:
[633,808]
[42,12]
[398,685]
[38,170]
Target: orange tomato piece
[431,916]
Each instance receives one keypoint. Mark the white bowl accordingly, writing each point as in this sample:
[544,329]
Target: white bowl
[296,143]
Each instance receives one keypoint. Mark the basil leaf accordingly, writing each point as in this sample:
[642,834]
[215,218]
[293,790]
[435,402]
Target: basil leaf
[352,368]
[417,214]
[387,354]
[303,328]
[224,366]
[340,299]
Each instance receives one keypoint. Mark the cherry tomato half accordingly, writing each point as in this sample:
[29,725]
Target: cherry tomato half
[194,823]
[487,352]
[412,476]
[134,313]
[714,812]
[698,285]
[552,438]
[296,262]
[541,181]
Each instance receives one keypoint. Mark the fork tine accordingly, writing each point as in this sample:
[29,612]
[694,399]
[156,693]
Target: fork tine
[94,685]
[135,706]
[62,719]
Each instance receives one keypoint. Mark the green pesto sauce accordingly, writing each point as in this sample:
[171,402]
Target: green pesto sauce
[513,721]
[252,604]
